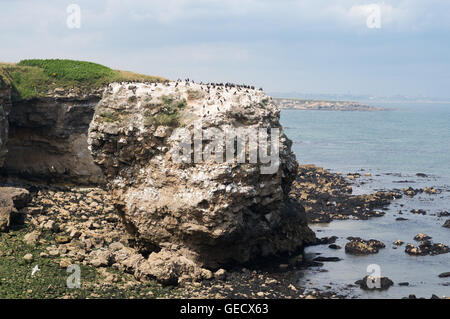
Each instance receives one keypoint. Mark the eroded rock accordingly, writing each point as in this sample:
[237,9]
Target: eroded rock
[191,215]
[11,201]
[359,246]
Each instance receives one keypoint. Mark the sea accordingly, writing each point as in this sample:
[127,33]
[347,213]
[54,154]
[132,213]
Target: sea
[393,145]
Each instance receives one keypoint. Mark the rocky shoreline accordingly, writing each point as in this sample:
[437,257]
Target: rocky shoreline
[61,226]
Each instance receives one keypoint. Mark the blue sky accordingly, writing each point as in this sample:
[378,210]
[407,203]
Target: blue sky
[315,46]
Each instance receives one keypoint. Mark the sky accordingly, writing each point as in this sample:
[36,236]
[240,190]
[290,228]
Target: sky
[312,46]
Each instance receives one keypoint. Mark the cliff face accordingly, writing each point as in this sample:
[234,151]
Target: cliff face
[5,106]
[48,140]
[195,214]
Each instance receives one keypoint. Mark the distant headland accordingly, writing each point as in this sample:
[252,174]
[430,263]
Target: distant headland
[300,104]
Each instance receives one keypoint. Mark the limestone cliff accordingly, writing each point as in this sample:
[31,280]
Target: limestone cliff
[192,215]
[5,106]
[48,140]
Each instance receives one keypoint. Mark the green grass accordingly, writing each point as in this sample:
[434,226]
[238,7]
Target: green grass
[35,78]
[16,280]
[169,114]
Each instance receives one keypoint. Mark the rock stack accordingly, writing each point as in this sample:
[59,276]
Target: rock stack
[191,217]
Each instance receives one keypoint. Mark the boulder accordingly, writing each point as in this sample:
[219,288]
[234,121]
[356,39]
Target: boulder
[11,201]
[359,246]
[187,213]
[375,283]
[446,224]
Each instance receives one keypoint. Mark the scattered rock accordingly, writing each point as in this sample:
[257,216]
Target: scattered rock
[426,248]
[12,200]
[398,242]
[358,246]
[327,259]
[32,238]
[375,283]
[418,211]
[446,224]
[334,246]
[421,237]
[28,258]
[220,274]
[444,275]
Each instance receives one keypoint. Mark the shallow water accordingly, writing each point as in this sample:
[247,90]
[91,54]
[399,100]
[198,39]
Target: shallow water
[393,146]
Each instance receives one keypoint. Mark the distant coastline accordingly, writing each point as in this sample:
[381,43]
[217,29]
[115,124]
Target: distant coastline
[301,104]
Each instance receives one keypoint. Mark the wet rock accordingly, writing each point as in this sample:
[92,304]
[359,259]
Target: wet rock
[403,284]
[446,224]
[418,211]
[429,190]
[327,259]
[375,283]
[327,196]
[443,214]
[358,246]
[421,237]
[334,246]
[398,242]
[426,248]
[324,241]
[399,219]
[444,275]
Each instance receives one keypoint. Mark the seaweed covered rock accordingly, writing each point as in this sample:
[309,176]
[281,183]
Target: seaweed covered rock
[191,211]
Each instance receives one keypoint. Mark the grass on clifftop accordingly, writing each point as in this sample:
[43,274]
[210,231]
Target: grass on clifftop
[37,78]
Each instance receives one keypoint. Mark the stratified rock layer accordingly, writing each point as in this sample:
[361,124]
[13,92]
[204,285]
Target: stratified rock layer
[48,140]
[191,216]
[5,106]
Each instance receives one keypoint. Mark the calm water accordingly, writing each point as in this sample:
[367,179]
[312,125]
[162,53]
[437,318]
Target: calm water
[392,145]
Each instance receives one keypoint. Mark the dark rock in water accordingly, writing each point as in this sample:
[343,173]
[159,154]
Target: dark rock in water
[327,196]
[426,248]
[399,219]
[447,224]
[421,237]
[412,297]
[324,241]
[421,175]
[434,297]
[444,275]
[334,246]
[375,283]
[358,246]
[411,192]
[403,284]
[327,259]
[444,214]
[418,211]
